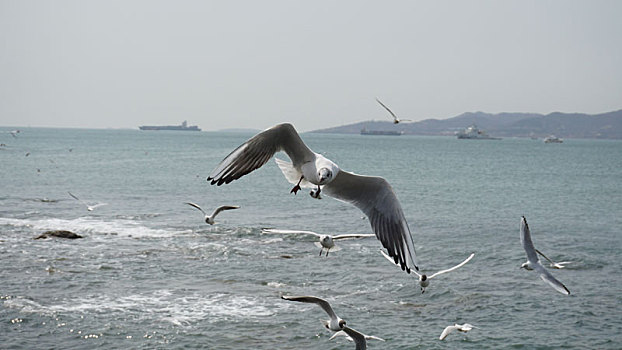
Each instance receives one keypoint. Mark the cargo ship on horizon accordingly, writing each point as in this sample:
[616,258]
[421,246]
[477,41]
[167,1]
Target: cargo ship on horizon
[183,126]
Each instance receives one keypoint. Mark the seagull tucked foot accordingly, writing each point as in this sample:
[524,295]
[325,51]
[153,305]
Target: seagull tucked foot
[316,193]
[297,187]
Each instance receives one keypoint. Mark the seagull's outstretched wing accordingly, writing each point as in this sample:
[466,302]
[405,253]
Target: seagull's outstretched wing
[78,199]
[375,197]
[455,267]
[344,334]
[353,235]
[392,261]
[553,264]
[359,338]
[271,230]
[223,207]
[548,278]
[525,239]
[196,206]
[98,205]
[387,108]
[255,152]
[315,300]
[448,330]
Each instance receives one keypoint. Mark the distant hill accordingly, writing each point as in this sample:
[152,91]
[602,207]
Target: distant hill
[568,125]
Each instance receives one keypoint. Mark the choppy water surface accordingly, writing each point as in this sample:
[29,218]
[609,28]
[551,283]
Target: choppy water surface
[149,273]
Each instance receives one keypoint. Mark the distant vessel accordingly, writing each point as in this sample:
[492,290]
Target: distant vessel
[380,132]
[473,133]
[553,139]
[183,126]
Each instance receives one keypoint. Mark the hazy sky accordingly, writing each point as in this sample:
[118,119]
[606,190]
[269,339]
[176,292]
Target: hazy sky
[252,64]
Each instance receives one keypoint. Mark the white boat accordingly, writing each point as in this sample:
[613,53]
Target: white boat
[553,139]
[473,133]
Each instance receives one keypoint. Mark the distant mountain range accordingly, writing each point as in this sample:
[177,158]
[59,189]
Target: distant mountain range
[566,125]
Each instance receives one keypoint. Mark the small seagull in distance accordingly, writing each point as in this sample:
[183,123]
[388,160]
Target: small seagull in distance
[553,264]
[210,218]
[357,337]
[14,133]
[424,280]
[396,120]
[88,206]
[334,324]
[456,327]
[533,263]
[325,241]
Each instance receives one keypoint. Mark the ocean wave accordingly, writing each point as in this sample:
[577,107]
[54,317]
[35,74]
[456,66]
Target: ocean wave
[162,305]
[93,226]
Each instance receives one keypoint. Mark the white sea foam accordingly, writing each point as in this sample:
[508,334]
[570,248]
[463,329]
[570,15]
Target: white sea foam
[161,305]
[93,226]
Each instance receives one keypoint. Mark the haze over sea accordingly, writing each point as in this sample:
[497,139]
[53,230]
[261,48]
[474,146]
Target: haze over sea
[150,274]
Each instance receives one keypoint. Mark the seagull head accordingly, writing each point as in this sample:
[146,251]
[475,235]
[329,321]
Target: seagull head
[526,266]
[327,241]
[324,175]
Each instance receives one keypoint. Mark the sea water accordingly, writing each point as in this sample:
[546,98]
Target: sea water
[151,274]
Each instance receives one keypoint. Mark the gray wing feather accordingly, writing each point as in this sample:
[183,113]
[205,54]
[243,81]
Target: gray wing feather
[196,206]
[224,207]
[525,239]
[308,299]
[375,197]
[359,339]
[387,108]
[455,267]
[346,236]
[255,152]
[270,230]
[548,278]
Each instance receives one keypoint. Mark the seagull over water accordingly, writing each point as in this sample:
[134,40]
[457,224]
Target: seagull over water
[88,206]
[325,241]
[424,280]
[334,324]
[533,263]
[371,194]
[396,120]
[456,327]
[210,218]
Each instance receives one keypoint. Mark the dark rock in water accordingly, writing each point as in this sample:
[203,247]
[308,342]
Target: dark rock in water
[59,234]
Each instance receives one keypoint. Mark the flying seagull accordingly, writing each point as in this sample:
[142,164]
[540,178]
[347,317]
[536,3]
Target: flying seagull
[88,206]
[456,327]
[396,120]
[359,339]
[424,280]
[533,263]
[371,194]
[334,324]
[325,241]
[210,218]
[553,264]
